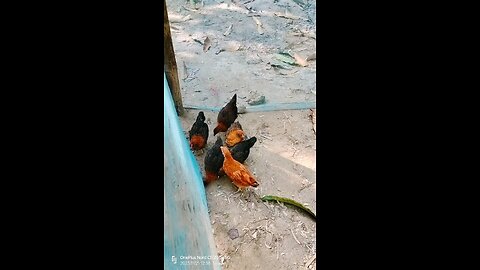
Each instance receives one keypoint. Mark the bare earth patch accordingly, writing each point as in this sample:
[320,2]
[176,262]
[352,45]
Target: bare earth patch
[241,56]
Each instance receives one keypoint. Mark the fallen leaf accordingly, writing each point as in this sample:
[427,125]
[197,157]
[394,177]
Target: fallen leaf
[302,33]
[287,15]
[283,15]
[233,47]
[257,21]
[206,44]
[312,57]
[188,9]
[184,19]
[260,30]
[185,72]
[310,35]
[280,66]
[284,57]
[230,48]
[259,26]
[300,60]
[229,30]
[173,27]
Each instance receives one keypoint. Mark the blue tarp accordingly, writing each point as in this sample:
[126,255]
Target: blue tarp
[188,240]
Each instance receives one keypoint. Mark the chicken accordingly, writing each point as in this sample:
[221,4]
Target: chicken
[213,162]
[241,151]
[214,158]
[234,135]
[226,116]
[239,174]
[199,133]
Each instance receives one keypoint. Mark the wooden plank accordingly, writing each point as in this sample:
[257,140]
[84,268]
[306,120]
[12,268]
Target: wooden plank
[170,64]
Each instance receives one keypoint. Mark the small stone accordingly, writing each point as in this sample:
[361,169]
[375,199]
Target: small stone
[257,101]
[233,233]
[241,109]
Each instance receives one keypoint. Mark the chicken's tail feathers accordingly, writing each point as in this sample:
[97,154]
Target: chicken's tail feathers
[252,141]
[234,100]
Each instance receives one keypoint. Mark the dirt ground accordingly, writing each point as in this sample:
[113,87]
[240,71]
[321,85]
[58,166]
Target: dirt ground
[265,235]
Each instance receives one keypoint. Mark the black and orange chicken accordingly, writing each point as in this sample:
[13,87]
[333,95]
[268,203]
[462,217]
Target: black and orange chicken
[226,116]
[241,151]
[213,162]
[199,133]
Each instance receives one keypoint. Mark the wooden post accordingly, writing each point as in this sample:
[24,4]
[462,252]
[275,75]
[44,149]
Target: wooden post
[170,63]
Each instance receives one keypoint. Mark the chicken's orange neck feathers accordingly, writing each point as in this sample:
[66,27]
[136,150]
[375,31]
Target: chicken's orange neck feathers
[226,154]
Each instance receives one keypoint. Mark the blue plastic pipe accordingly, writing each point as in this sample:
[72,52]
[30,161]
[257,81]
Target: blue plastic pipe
[188,239]
[263,108]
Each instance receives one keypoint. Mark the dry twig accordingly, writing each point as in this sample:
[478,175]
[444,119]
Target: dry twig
[295,237]
[310,261]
